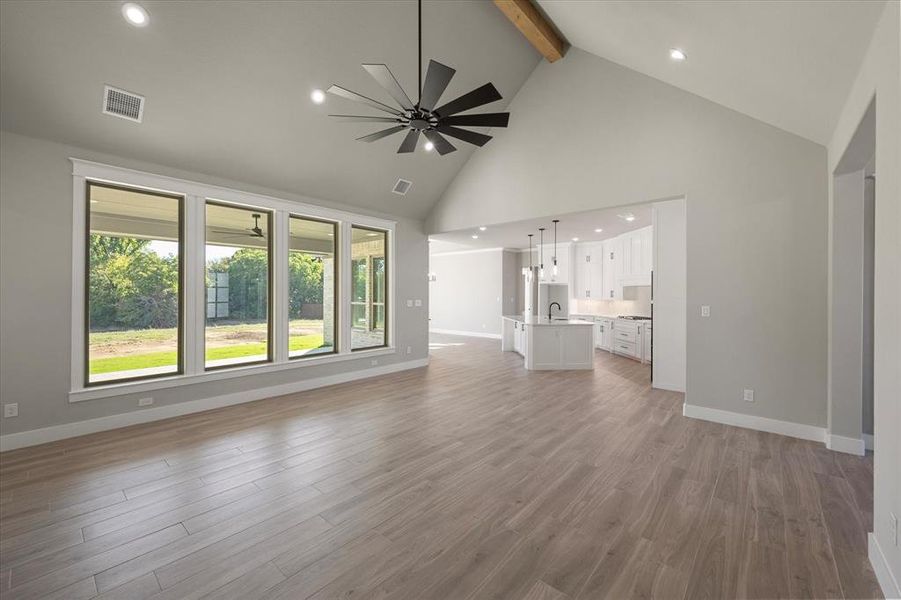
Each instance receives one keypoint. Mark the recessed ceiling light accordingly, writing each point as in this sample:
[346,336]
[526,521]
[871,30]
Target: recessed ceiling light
[429,146]
[317,96]
[483,228]
[135,14]
[676,54]
[576,239]
[627,217]
[475,237]
[598,230]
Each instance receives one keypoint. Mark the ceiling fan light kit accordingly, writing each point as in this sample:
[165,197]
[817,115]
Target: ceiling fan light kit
[422,117]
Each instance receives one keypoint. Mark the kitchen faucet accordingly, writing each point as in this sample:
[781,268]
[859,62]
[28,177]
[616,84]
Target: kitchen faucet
[551,306]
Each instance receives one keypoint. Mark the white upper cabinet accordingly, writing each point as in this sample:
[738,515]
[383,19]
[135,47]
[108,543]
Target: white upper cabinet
[612,289]
[637,252]
[601,269]
[588,268]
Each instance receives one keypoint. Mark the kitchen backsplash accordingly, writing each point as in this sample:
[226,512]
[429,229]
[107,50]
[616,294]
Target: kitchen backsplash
[636,301]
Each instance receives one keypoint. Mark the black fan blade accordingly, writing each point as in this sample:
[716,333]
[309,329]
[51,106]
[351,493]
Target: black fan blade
[477,97]
[340,91]
[380,134]
[441,144]
[365,119]
[482,120]
[386,79]
[409,143]
[436,79]
[479,139]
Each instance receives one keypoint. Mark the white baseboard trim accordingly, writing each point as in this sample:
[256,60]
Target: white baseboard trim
[868,441]
[478,334]
[848,445]
[887,581]
[798,430]
[33,437]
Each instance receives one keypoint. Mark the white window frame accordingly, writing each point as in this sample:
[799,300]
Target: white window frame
[196,194]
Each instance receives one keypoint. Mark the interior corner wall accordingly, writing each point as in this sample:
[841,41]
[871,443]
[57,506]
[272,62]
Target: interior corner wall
[586,133]
[466,295]
[846,350]
[880,76]
[36,291]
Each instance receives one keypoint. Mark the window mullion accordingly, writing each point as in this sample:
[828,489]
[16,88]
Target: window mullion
[345,295]
[280,283]
[195,283]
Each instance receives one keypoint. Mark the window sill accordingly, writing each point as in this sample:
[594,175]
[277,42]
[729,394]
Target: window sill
[134,387]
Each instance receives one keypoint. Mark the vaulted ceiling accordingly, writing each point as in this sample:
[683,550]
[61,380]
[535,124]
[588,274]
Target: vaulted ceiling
[228,83]
[789,63]
[228,86]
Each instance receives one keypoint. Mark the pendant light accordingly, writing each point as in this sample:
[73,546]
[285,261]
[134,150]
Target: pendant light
[541,253]
[555,247]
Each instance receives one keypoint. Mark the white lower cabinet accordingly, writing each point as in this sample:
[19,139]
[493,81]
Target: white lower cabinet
[604,338]
[517,338]
[626,339]
[645,342]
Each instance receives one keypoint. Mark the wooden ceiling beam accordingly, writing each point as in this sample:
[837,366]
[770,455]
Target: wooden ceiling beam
[535,27]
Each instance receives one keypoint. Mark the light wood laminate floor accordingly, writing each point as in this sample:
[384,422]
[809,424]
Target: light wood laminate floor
[471,478]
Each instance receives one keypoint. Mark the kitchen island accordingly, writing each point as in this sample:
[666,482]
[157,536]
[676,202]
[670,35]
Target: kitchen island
[549,344]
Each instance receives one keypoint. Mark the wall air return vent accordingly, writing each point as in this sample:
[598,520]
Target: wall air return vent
[402,187]
[120,103]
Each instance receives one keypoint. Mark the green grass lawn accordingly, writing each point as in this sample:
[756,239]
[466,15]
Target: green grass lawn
[169,358]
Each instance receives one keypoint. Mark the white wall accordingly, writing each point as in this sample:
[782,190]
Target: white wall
[467,293]
[586,133]
[36,290]
[880,75]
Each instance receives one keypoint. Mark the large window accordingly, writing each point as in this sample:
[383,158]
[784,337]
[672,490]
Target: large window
[238,250]
[134,282]
[369,296]
[312,287]
[202,283]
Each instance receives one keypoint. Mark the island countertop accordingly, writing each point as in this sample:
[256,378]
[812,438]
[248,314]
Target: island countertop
[544,321]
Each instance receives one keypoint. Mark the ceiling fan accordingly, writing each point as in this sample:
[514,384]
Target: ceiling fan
[423,117]
[254,231]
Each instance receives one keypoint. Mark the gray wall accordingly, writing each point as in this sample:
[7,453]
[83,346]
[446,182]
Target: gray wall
[869,228]
[467,292]
[586,133]
[36,289]
[846,374]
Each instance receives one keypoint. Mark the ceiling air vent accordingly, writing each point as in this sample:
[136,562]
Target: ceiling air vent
[120,103]
[402,187]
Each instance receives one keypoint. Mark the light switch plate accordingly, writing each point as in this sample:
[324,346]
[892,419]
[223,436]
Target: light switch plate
[418,302]
[749,396]
[705,310]
[409,304]
[11,410]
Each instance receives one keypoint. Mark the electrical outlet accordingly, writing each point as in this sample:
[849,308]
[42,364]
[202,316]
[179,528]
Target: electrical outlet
[11,410]
[418,302]
[749,396]
[145,401]
[409,349]
[705,310]
[374,362]
[894,528]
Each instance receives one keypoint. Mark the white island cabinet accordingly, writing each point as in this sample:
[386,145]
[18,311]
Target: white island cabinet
[555,344]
